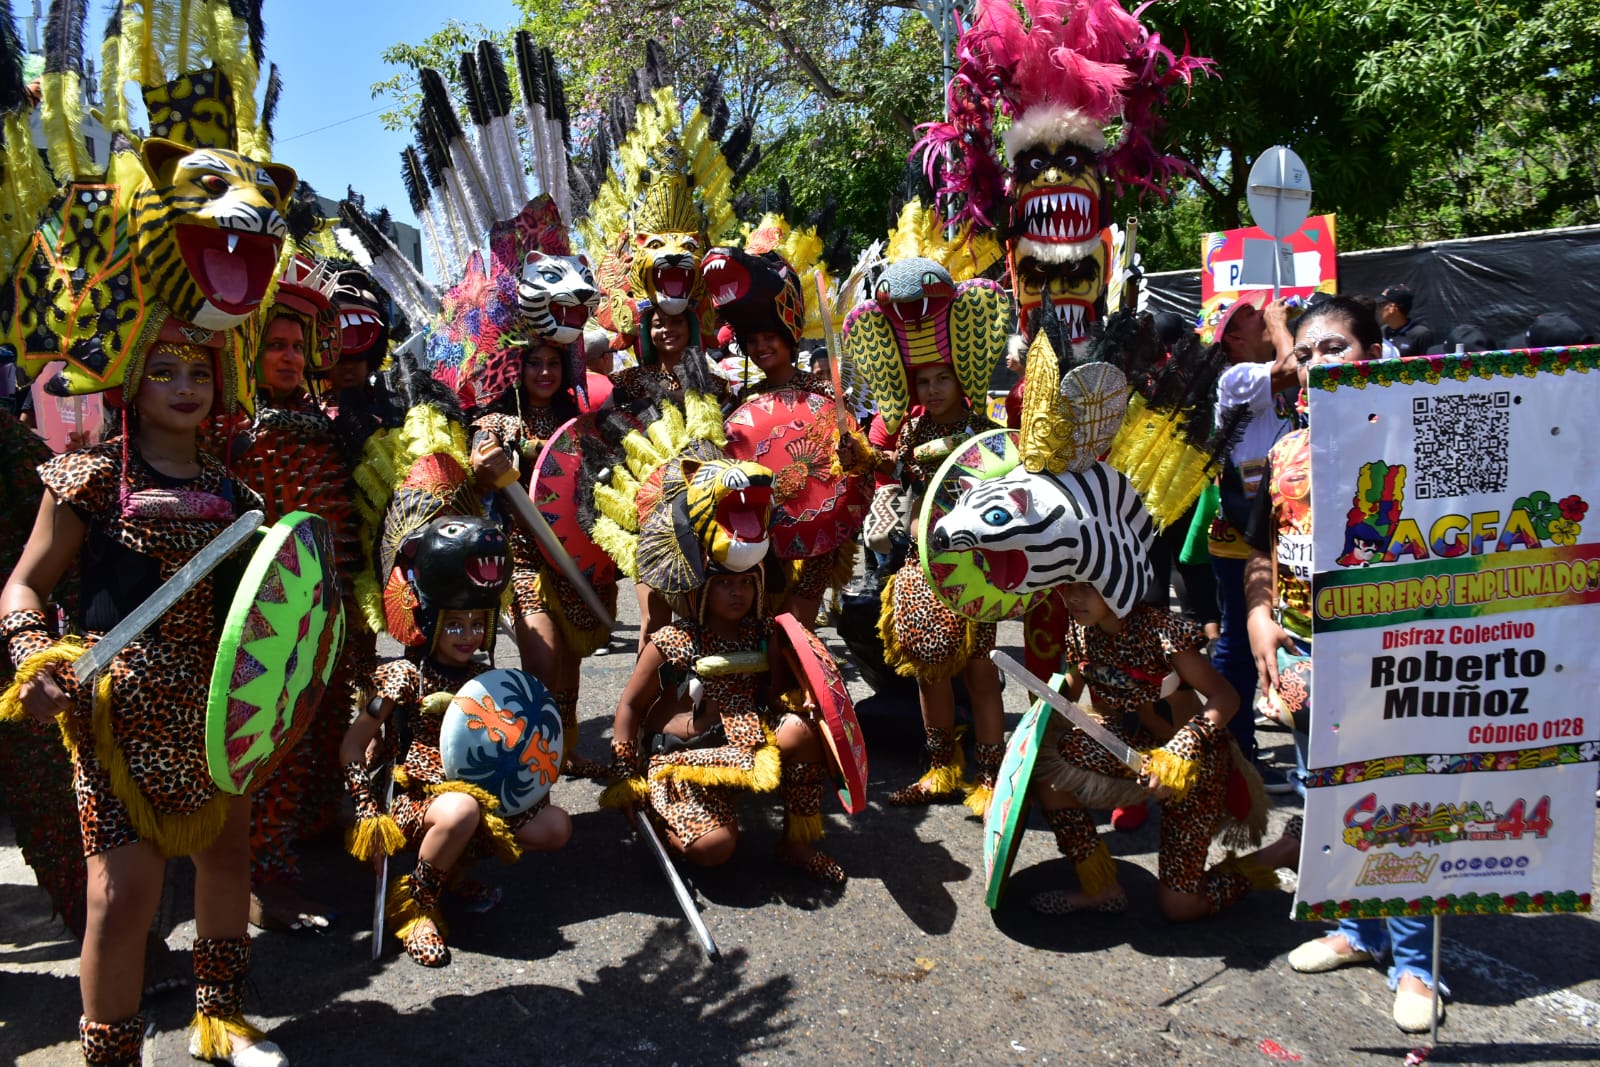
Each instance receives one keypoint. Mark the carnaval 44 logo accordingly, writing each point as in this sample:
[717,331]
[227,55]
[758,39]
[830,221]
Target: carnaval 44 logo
[1368,825]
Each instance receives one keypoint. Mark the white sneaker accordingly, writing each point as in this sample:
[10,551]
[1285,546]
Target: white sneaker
[261,1054]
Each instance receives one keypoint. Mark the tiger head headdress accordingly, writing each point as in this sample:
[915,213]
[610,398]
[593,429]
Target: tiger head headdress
[555,296]
[712,514]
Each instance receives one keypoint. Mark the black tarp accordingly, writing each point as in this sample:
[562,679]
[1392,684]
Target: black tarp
[1499,283]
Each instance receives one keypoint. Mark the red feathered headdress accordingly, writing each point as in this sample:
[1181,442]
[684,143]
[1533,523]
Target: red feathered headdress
[1060,70]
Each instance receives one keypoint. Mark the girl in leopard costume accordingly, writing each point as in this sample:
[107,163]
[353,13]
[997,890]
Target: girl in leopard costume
[922,637]
[555,629]
[451,823]
[135,509]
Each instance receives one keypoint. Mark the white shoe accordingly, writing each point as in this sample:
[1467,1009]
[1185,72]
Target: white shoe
[261,1054]
[1413,1012]
[1317,956]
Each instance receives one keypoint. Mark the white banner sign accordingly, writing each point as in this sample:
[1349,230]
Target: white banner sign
[1455,576]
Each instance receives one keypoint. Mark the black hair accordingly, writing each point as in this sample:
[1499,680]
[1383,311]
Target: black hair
[1360,312]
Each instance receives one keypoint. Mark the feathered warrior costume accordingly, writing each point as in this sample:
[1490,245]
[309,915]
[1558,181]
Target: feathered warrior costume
[172,248]
[440,564]
[292,457]
[819,508]
[921,318]
[699,720]
[1064,515]
[519,287]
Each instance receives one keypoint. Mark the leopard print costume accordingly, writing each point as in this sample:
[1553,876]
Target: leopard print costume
[289,457]
[922,637]
[690,805]
[532,580]
[152,737]
[408,683]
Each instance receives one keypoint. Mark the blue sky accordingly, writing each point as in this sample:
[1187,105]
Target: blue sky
[327,52]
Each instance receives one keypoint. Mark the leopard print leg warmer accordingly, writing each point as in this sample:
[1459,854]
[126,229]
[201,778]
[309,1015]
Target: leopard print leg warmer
[112,1044]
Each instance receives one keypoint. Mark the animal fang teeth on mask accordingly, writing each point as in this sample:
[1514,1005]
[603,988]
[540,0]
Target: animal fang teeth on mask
[1033,531]
[556,295]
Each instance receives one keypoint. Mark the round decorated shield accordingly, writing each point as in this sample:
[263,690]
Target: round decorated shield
[502,734]
[280,642]
[841,733]
[793,433]
[555,493]
[1007,820]
[974,583]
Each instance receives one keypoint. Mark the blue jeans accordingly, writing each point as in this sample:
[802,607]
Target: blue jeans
[1230,654]
[1409,943]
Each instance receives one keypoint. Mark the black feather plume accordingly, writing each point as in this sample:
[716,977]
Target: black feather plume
[714,106]
[530,69]
[742,171]
[303,214]
[435,157]
[269,103]
[63,37]
[472,89]
[353,216]
[493,81]
[656,73]
[416,182]
[694,371]
[250,11]
[738,142]
[12,96]
[437,105]
[557,92]
[113,24]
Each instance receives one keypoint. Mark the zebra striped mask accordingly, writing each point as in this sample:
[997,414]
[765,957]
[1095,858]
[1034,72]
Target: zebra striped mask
[1034,531]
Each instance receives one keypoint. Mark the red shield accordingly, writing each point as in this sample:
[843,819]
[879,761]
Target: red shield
[841,733]
[555,493]
[793,433]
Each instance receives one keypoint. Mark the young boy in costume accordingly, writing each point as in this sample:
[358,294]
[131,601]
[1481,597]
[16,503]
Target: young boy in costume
[1122,659]
[454,592]
[700,720]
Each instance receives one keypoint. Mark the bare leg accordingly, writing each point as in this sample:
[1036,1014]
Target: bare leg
[124,893]
[546,831]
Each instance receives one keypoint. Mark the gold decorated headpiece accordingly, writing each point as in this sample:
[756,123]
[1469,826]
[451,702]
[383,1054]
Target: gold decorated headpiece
[1068,422]
[667,206]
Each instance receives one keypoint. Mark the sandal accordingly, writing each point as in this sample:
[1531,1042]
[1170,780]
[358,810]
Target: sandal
[918,795]
[279,905]
[477,897]
[426,945]
[1059,902]
[583,767]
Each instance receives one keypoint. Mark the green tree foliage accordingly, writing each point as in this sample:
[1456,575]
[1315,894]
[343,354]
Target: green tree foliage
[1419,119]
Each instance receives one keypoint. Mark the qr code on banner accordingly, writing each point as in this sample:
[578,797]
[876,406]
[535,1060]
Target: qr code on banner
[1462,443]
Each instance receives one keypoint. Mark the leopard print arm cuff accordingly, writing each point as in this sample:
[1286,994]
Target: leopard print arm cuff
[1197,737]
[624,760]
[25,633]
[359,783]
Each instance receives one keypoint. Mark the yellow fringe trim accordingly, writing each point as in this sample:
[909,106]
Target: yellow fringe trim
[502,842]
[978,798]
[1097,872]
[909,666]
[368,837]
[211,1035]
[403,915]
[763,777]
[946,778]
[619,544]
[172,834]
[631,791]
[1260,875]
[704,421]
[863,466]
[63,652]
[1173,771]
[803,828]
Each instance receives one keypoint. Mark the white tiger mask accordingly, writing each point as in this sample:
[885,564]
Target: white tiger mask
[1035,531]
[555,296]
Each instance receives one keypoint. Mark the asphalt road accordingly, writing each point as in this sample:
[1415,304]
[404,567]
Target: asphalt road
[588,961]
